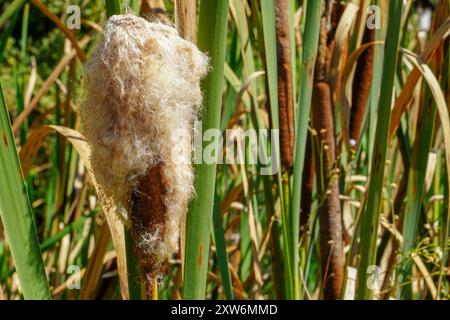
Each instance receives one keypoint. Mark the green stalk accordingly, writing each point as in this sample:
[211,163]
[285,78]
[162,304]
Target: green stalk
[370,217]
[248,60]
[17,215]
[374,93]
[10,10]
[56,238]
[211,39]
[416,189]
[113,7]
[135,6]
[221,251]
[249,67]
[311,41]
[135,290]
[6,34]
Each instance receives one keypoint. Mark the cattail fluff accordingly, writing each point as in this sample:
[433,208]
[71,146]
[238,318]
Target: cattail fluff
[142,96]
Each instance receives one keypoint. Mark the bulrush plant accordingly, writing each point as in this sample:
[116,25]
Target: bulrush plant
[142,87]
[285,94]
[362,83]
[331,246]
[320,167]
[308,185]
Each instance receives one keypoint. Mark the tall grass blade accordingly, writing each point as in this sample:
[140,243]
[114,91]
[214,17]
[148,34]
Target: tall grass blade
[6,34]
[17,215]
[10,10]
[221,251]
[370,217]
[311,42]
[212,40]
[113,7]
[442,109]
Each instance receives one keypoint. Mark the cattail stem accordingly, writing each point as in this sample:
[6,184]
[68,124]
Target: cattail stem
[185,18]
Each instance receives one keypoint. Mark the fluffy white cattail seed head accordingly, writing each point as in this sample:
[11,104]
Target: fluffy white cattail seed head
[142,84]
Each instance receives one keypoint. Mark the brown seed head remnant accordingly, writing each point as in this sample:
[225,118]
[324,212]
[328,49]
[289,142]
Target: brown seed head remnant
[142,96]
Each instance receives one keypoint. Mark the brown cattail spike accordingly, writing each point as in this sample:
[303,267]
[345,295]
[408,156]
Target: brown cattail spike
[337,9]
[285,92]
[326,176]
[328,191]
[362,84]
[307,183]
[148,219]
[321,72]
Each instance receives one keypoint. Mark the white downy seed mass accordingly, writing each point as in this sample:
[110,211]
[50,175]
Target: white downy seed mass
[142,84]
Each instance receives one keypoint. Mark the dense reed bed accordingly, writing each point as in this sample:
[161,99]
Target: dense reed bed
[234,149]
